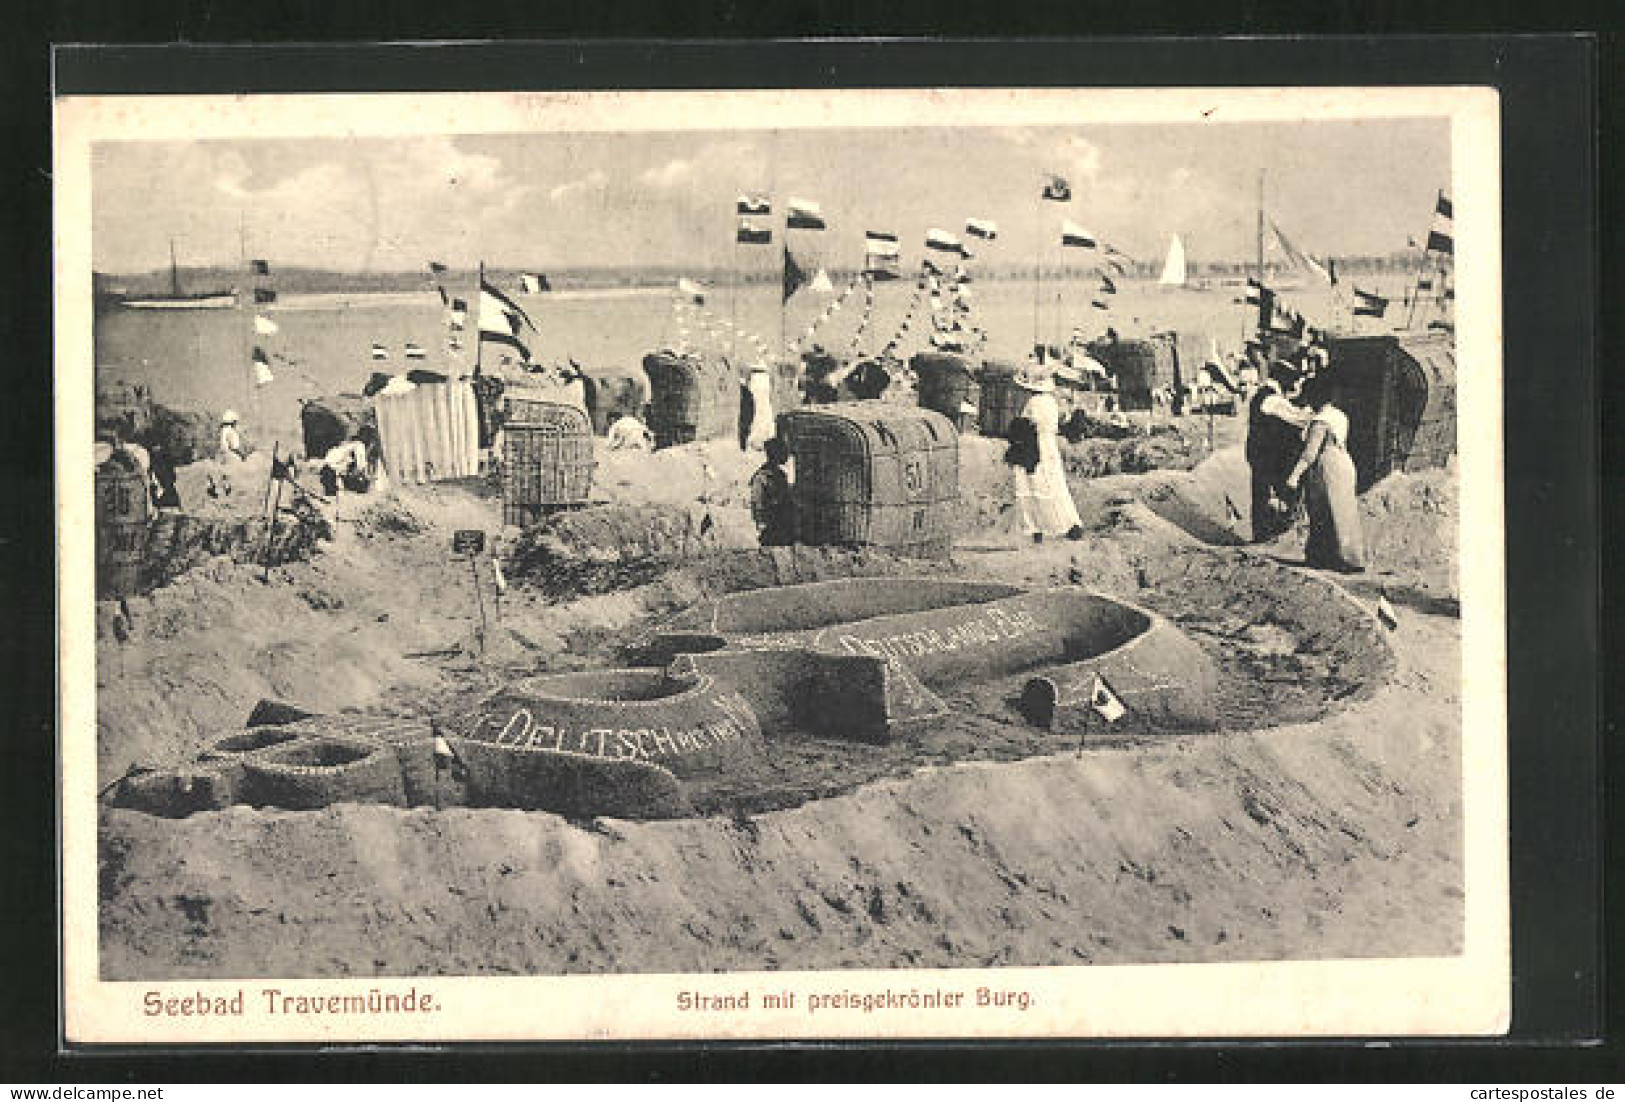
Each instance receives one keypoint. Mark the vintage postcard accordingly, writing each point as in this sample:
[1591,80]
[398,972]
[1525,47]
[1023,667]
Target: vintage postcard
[963,563]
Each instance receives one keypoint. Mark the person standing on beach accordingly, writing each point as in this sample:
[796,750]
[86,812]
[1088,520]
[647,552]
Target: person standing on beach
[1327,475]
[1274,440]
[756,409]
[165,494]
[772,500]
[1046,502]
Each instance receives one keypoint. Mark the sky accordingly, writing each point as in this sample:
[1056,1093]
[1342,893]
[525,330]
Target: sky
[644,198]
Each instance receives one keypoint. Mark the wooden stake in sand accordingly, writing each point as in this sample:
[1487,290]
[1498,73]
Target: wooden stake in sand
[470,542]
[275,499]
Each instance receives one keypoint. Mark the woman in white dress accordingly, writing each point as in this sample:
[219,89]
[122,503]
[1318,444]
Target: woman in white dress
[1327,474]
[1046,503]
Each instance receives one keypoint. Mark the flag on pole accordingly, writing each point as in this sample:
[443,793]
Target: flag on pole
[534,283]
[495,305]
[262,367]
[437,268]
[795,277]
[499,319]
[1369,305]
[753,203]
[882,267]
[264,326]
[1057,190]
[803,215]
[1076,236]
[1442,234]
[261,268]
[944,242]
[749,233]
[984,228]
[1105,702]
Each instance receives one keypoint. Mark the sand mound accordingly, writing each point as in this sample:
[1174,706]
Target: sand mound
[603,549]
[1241,847]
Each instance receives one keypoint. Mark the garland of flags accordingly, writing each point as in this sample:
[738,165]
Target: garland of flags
[263,326]
[831,308]
[890,348]
[868,313]
[690,315]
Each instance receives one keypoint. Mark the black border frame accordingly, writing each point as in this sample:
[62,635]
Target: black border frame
[1550,113]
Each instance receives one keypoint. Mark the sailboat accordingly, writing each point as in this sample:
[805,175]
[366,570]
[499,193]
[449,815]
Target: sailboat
[178,300]
[1173,269]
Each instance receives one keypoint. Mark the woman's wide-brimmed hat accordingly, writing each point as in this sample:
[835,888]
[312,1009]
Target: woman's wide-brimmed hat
[1034,377]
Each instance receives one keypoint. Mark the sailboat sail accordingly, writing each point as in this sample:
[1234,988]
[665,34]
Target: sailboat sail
[1173,269]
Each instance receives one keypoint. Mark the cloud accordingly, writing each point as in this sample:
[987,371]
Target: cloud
[1080,157]
[590,182]
[673,173]
[726,164]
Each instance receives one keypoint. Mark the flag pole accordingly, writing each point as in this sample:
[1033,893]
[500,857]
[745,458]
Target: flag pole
[733,287]
[479,304]
[1038,267]
[1416,276]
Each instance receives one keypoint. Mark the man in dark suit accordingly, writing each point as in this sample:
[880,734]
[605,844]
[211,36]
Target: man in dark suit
[1274,441]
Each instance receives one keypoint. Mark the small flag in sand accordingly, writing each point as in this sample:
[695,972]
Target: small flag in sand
[1105,702]
[443,754]
[1386,614]
[264,326]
